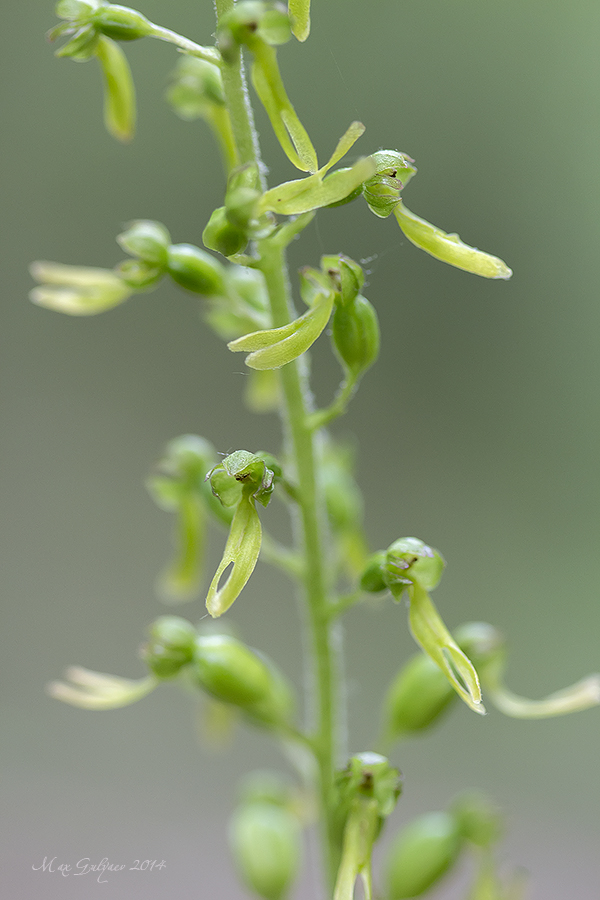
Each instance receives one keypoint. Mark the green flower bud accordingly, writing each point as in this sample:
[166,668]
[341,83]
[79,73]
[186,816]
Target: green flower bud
[416,698]
[121,23]
[230,671]
[170,647]
[139,275]
[223,237]
[251,21]
[479,820]
[266,846]
[411,561]
[234,673]
[421,854]
[372,578]
[355,335]
[147,240]
[195,270]
[197,88]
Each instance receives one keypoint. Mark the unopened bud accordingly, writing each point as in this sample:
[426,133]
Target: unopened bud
[421,855]
[170,647]
[416,698]
[195,270]
[372,579]
[265,841]
[223,237]
[147,240]
[355,334]
[121,23]
[234,673]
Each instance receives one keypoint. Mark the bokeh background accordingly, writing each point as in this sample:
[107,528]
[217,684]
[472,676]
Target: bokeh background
[478,430]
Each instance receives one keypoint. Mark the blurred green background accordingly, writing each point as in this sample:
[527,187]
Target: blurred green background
[478,429]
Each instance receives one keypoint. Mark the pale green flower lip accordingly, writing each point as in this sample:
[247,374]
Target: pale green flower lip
[76,290]
[97,690]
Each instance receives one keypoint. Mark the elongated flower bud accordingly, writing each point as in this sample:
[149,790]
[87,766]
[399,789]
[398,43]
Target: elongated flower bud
[416,698]
[223,237]
[421,854]
[265,842]
[195,270]
[121,23]
[234,673]
[355,335]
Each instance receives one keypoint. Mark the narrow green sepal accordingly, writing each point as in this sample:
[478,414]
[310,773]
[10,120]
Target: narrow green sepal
[119,90]
[290,132]
[432,635]
[448,247]
[299,12]
[276,347]
[313,192]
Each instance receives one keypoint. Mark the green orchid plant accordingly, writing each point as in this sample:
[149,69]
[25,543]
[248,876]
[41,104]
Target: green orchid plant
[242,278]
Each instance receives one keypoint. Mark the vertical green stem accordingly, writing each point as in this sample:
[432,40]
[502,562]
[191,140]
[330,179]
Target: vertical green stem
[303,445]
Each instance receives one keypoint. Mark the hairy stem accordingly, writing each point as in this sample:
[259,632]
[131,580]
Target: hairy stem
[303,444]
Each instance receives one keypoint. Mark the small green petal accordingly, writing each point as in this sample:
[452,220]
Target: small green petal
[276,347]
[448,247]
[119,95]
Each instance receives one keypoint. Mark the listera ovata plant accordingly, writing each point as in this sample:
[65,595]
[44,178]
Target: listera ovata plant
[242,279]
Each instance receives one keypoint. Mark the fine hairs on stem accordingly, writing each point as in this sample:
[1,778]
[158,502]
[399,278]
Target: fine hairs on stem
[244,288]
